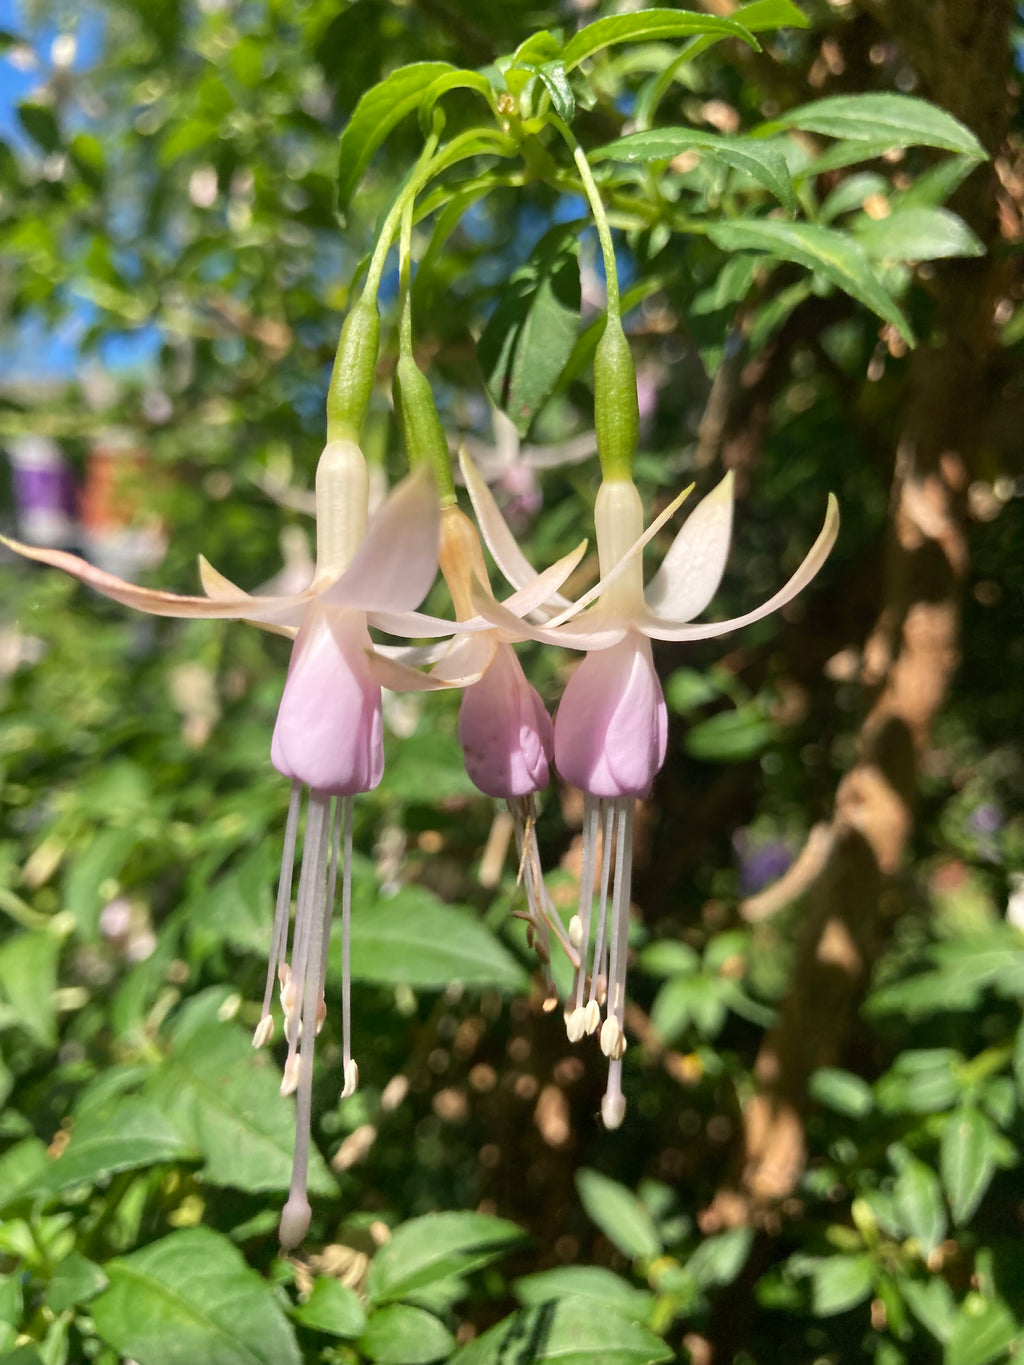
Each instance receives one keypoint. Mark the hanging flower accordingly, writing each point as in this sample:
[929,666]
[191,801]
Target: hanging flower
[611,728]
[328,735]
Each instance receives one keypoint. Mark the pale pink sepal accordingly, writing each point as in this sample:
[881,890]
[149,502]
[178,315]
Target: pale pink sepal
[534,595]
[498,536]
[464,662]
[661,628]
[280,610]
[693,567]
[505,731]
[611,728]
[329,732]
[619,568]
[397,559]
[593,631]
[221,589]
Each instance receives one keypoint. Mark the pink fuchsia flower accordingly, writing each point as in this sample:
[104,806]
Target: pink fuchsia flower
[611,726]
[328,735]
[506,733]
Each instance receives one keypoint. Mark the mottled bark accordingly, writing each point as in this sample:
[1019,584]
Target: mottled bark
[959,49]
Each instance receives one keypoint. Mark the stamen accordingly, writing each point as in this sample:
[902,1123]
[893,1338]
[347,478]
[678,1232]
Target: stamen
[591,812]
[309,911]
[350,1068]
[613,1105]
[279,937]
[599,966]
[613,1036]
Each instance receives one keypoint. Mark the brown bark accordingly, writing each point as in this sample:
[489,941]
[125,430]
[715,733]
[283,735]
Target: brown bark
[958,47]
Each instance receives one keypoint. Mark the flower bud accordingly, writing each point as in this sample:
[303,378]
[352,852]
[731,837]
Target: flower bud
[616,410]
[355,366]
[422,432]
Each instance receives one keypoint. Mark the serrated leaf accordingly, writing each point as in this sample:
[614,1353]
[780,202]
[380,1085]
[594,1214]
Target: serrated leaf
[585,1282]
[382,107]
[892,120]
[190,1297]
[645,25]
[838,257]
[127,1136]
[403,1335]
[916,234]
[223,1096]
[532,332]
[332,1307]
[619,1214]
[417,940]
[842,1091]
[982,1332]
[758,159]
[571,1331]
[966,1161]
[435,1247]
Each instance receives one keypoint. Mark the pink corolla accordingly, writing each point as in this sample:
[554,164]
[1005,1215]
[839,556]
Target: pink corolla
[611,727]
[328,735]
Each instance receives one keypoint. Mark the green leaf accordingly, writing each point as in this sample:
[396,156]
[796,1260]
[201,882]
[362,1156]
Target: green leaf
[190,1297]
[984,1329]
[378,111]
[416,939]
[585,1282]
[40,122]
[223,1095]
[531,334]
[838,1283]
[718,1260]
[917,1197]
[842,1091]
[76,1280]
[758,159]
[403,1335]
[12,1307]
[731,736]
[23,1171]
[129,1135]
[332,1307]
[920,1081]
[668,957]
[838,257]
[557,84]
[931,1302]
[619,1214]
[686,688]
[761,16]
[435,1247]
[28,979]
[892,120]
[570,1331]
[102,859]
[916,234]
[966,1160]
[645,25]
[851,193]
[699,999]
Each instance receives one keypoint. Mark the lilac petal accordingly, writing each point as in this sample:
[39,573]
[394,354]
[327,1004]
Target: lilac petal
[595,630]
[282,610]
[611,729]
[464,662]
[329,733]
[659,628]
[397,561]
[498,535]
[692,569]
[618,569]
[505,731]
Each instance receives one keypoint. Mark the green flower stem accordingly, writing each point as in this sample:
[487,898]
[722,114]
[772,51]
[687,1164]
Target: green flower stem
[604,232]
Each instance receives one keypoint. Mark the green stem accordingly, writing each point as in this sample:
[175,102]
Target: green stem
[604,232]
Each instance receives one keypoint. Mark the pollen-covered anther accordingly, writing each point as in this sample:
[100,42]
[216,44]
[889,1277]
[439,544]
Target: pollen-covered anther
[591,1017]
[575,931]
[321,1015]
[290,1079]
[575,1024]
[264,1031]
[550,1003]
[351,1079]
[613,1040]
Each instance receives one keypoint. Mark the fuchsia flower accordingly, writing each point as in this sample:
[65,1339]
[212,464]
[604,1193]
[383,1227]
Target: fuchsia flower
[328,735]
[611,726]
